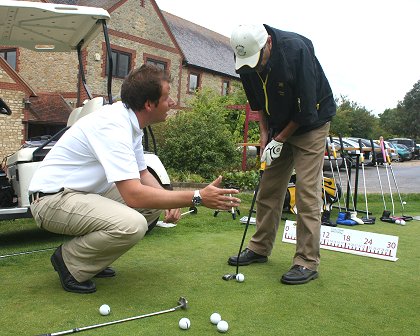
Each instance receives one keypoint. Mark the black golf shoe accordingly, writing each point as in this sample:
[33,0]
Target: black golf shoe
[106,273]
[298,275]
[68,282]
[247,257]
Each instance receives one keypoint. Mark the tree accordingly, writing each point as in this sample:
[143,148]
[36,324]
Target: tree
[197,140]
[352,120]
[409,111]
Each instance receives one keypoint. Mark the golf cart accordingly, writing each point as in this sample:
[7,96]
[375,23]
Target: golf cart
[47,27]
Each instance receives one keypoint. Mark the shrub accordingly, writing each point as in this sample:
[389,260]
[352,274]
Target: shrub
[198,141]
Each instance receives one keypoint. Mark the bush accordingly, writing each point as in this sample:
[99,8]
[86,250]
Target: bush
[243,180]
[198,141]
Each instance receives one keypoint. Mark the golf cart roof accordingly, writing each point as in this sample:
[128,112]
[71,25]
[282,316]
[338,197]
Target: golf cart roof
[48,27]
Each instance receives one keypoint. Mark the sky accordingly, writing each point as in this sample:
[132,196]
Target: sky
[369,49]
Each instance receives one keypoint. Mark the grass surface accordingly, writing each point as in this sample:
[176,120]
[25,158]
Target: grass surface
[354,295]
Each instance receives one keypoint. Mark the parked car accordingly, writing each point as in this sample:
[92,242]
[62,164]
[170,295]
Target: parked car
[366,144]
[392,152]
[403,152]
[410,143]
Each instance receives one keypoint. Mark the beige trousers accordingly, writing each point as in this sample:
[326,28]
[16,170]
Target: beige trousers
[105,228]
[305,154]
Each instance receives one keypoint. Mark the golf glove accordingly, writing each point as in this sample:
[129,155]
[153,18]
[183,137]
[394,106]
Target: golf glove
[271,152]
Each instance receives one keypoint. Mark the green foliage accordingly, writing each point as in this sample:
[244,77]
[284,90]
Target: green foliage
[410,113]
[184,176]
[352,120]
[197,140]
[243,180]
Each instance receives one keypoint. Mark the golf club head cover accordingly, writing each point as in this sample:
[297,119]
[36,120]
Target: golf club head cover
[341,219]
[353,216]
[271,152]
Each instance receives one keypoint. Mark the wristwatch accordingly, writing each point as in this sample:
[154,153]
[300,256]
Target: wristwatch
[197,198]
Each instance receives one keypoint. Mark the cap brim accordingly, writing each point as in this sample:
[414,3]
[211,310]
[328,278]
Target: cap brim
[248,62]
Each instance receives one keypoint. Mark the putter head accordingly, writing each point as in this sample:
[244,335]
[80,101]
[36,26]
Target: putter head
[228,277]
[386,214]
[183,303]
[370,220]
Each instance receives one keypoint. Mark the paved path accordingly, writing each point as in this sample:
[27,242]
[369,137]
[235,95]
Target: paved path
[407,175]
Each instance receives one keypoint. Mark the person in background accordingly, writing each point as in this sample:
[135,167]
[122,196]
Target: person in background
[285,83]
[94,183]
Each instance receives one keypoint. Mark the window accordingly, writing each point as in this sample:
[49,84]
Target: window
[193,82]
[9,56]
[159,64]
[225,88]
[121,64]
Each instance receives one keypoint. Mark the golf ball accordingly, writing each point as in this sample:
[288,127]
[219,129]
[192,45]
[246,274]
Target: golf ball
[184,323]
[397,221]
[222,326]
[215,318]
[104,310]
[402,222]
[240,277]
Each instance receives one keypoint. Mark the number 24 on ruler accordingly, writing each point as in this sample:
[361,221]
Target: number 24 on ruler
[363,243]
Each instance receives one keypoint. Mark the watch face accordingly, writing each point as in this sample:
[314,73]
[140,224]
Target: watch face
[197,200]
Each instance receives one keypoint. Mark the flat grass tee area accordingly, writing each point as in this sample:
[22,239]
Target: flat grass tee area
[354,295]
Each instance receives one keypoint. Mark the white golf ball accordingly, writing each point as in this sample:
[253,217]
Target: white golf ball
[240,277]
[404,202]
[402,222]
[222,326]
[215,318]
[397,221]
[104,310]
[184,323]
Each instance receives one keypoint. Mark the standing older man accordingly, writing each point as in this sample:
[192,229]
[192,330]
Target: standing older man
[284,81]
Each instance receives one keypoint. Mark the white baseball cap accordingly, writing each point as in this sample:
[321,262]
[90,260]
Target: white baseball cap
[247,42]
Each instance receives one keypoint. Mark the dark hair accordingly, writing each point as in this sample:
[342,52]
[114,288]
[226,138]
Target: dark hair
[143,84]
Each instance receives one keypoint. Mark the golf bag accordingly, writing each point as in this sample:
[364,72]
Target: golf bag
[332,194]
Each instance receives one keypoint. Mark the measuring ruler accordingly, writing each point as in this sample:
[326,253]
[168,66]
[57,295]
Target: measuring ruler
[362,243]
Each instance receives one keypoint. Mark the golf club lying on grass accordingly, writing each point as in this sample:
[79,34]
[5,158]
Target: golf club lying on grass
[193,210]
[182,304]
[251,210]
[27,252]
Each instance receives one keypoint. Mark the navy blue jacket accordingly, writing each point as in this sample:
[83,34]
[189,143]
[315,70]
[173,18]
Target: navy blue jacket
[296,86]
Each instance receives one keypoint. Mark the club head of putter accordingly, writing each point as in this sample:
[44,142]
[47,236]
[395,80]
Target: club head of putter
[370,220]
[183,303]
[386,214]
[228,277]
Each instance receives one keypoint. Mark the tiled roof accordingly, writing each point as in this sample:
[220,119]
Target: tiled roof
[49,108]
[202,47]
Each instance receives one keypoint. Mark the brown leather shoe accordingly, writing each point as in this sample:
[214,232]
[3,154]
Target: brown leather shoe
[68,282]
[106,273]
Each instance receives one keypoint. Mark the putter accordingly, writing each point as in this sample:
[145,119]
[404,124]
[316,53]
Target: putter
[251,210]
[367,219]
[182,304]
[326,213]
[385,213]
[27,252]
[353,214]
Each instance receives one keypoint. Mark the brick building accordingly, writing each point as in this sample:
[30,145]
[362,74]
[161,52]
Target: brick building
[43,88]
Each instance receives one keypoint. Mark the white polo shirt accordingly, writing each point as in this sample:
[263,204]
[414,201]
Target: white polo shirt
[101,148]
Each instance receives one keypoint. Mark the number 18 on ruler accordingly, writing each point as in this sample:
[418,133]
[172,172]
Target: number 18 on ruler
[363,243]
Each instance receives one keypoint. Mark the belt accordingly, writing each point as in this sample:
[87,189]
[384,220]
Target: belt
[39,194]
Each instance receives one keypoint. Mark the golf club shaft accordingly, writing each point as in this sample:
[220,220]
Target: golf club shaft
[398,190]
[338,169]
[251,210]
[70,331]
[27,252]
[347,172]
[377,170]
[362,162]
[386,162]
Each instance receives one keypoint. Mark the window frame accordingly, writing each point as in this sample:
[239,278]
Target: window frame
[10,50]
